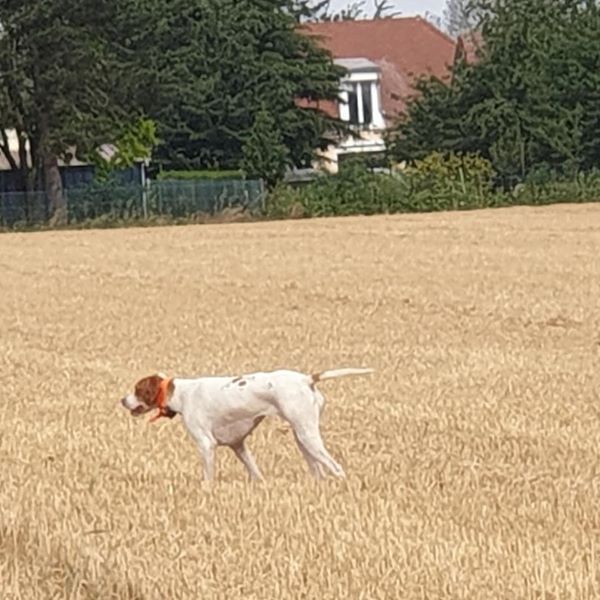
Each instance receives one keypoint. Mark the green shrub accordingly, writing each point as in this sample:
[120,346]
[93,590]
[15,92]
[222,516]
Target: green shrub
[285,202]
[544,186]
[355,190]
[205,174]
[450,182]
[436,183]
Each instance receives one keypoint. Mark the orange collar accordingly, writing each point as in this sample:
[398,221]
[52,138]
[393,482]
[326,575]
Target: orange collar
[162,397]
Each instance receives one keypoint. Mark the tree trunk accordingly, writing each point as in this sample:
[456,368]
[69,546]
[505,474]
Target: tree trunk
[54,191]
[46,159]
[23,161]
[25,178]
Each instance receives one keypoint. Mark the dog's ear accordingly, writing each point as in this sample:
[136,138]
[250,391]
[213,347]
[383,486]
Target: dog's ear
[146,389]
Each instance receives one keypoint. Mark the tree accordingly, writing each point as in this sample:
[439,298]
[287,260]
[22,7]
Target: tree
[264,154]
[459,17]
[321,11]
[532,101]
[67,83]
[233,59]
[136,142]
[383,9]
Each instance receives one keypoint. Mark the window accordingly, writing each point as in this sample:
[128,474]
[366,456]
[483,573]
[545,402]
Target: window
[353,105]
[367,102]
[359,108]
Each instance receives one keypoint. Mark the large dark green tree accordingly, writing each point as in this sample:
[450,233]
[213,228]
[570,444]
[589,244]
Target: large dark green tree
[233,59]
[68,81]
[531,101]
[264,154]
[74,75]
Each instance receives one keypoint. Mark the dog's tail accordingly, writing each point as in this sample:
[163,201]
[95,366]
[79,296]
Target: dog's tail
[332,374]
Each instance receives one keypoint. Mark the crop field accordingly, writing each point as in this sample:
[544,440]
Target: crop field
[472,453]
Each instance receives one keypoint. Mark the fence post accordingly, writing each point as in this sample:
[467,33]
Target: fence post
[263,196]
[144,182]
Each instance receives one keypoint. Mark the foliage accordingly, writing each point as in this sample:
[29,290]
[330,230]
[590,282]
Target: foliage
[70,78]
[74,76]
[135,143]
[438,182]
[285,202]
[354,190]
[531,101]
[229,59]
[322,10]
[199,175]
[264,154]
[460,16]
[543,186]
[453,180]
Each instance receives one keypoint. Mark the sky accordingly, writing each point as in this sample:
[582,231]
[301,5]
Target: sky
[408,7]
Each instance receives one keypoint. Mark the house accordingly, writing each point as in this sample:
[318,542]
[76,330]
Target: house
[384,58]
[74,172]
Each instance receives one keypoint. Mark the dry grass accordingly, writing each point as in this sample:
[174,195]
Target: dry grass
[472,454]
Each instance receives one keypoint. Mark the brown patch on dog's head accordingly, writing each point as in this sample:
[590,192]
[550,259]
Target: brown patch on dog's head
[146,390]
[145,396]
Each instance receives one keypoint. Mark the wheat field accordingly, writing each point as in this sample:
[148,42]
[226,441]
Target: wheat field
[471,453]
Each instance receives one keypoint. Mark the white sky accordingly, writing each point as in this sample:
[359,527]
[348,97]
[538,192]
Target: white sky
[408,7]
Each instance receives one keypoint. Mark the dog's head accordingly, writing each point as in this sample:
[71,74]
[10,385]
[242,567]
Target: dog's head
[145,395]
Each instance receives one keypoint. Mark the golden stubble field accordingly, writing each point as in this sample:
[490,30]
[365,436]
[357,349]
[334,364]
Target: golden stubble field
[472,454]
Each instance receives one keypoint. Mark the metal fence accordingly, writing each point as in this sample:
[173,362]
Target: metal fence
[170,198]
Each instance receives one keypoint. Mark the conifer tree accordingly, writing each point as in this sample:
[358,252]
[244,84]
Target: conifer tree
[531,101]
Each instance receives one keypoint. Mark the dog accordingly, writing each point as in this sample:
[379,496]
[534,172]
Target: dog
[224,411]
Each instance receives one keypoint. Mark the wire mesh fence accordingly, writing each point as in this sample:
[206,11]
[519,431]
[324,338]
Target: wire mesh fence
[169,198]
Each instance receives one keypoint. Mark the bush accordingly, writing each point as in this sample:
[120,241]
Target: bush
[285,202]
[436,183]
[450,182]
[203,175]
[354,190]
[544,186]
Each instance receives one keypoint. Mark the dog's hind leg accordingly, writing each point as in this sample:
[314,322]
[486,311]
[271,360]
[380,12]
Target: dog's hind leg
[303,416]
[313,444]
[245,456]
[314,465]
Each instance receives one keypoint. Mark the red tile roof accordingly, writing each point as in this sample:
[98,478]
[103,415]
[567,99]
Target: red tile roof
[404,48]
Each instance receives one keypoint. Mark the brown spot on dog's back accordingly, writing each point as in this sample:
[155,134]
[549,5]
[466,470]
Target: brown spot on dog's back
[242,383]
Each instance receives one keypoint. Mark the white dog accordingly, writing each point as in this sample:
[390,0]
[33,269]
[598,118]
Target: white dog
[223,411]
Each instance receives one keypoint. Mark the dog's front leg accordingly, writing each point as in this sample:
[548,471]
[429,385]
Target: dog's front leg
[207,451]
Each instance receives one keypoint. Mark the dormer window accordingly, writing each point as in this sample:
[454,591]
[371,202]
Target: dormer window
[360,105]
